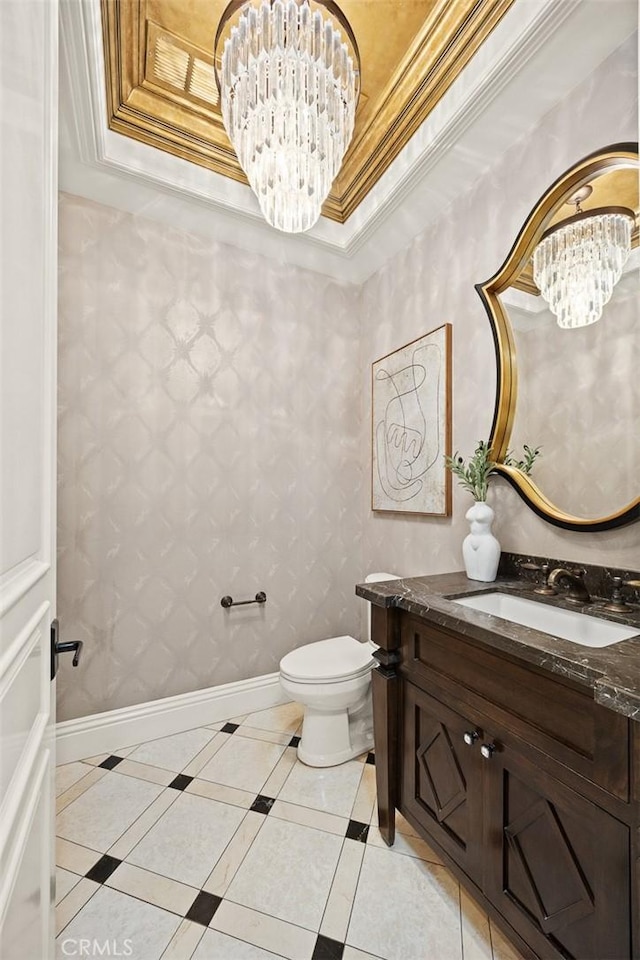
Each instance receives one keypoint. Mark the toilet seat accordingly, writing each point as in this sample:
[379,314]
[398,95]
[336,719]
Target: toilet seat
[328,661]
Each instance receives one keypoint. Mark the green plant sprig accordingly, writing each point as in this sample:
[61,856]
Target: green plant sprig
[475,474]
[527,462]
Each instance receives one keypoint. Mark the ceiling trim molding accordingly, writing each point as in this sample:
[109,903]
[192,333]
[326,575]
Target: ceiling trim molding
[346,251]
[451,34]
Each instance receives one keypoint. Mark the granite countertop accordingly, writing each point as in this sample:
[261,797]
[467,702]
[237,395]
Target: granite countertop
[613,673]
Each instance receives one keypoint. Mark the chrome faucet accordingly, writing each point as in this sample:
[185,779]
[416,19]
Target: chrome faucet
[577,592]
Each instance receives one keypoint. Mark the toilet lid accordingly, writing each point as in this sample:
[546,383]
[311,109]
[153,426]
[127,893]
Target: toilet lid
[337,658]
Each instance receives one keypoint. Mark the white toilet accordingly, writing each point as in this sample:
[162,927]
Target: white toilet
[332,681]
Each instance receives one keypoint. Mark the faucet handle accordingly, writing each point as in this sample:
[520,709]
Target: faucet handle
[618,604]
[544,589]
[544,568]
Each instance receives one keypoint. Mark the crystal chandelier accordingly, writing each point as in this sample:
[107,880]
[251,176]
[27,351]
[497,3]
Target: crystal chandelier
[289,84]
[578,262]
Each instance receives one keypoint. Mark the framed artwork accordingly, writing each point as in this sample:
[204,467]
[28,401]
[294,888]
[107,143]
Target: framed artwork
[411,421]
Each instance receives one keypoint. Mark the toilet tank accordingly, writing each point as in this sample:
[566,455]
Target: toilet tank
[377,578]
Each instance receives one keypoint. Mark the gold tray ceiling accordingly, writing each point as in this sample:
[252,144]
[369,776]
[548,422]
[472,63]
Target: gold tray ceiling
[160,86]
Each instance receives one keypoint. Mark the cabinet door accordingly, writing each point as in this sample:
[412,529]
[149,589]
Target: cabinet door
[442,777]
[557,865]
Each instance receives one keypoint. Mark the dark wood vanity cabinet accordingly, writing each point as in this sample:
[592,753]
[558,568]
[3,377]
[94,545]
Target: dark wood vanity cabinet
[518,779]
[442,786]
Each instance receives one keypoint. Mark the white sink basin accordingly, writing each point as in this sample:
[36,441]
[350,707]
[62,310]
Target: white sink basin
[568,624]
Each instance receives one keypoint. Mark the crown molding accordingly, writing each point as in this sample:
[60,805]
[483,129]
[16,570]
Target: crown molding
[457,142]
[451,33]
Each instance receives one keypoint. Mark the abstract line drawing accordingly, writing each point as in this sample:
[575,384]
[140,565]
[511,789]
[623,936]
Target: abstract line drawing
[411,426]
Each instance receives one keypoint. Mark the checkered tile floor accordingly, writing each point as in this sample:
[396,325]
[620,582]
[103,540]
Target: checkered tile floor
[218,844]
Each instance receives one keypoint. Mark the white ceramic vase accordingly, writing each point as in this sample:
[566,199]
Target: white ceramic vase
[481,550]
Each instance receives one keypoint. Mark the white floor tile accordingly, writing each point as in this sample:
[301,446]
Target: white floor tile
[430,901]
[350,953]
[184,941]
[364,803]
[114,917]
[105,811]
[285,718]
[201,759]
[228,864]
[144,771]
[79,787]
[218,946]
[217,791]
[332,789]
[175,752]
[476,936]
[343,890]
[188,839]
[151,887]
[73,857]
[287,873]
[125,844]
[283,876]
[74,901]
[65,882]
[68,774]
[307,817]
[271,736]
[408,846]
[281,771]
[269,933]
[242,763]
[95,761]
[120,752]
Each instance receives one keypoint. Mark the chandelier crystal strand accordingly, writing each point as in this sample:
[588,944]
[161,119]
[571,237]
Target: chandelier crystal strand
[289,92]
[577,266]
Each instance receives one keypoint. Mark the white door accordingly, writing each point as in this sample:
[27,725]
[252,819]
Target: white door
[28,255]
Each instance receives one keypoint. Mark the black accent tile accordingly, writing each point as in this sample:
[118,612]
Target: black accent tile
[294,741]
[203,908]
[111,762]
[371,758]
[357,831]
[262,804]
[181,782]
[103,869]
[327,949]
[230,727]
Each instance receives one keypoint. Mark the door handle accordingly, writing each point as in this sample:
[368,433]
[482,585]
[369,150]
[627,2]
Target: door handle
[65,646]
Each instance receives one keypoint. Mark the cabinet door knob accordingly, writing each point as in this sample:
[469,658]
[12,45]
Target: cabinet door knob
[487,750]
[470,737]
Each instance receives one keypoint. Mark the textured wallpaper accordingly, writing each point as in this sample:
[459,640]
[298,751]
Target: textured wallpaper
[214,429]
[432,282]
[209,444]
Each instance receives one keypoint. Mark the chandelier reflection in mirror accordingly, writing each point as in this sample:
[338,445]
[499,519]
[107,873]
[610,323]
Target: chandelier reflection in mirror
[579,261]
[289,85]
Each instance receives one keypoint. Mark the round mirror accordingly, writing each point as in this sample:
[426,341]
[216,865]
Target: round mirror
[565,314]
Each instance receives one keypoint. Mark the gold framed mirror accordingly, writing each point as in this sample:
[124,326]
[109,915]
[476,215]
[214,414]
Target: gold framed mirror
[568,364]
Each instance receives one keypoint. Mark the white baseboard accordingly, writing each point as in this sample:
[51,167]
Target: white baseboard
[105,732]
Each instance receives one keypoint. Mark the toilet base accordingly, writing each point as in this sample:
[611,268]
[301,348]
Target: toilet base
[332,760]
[331,738]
